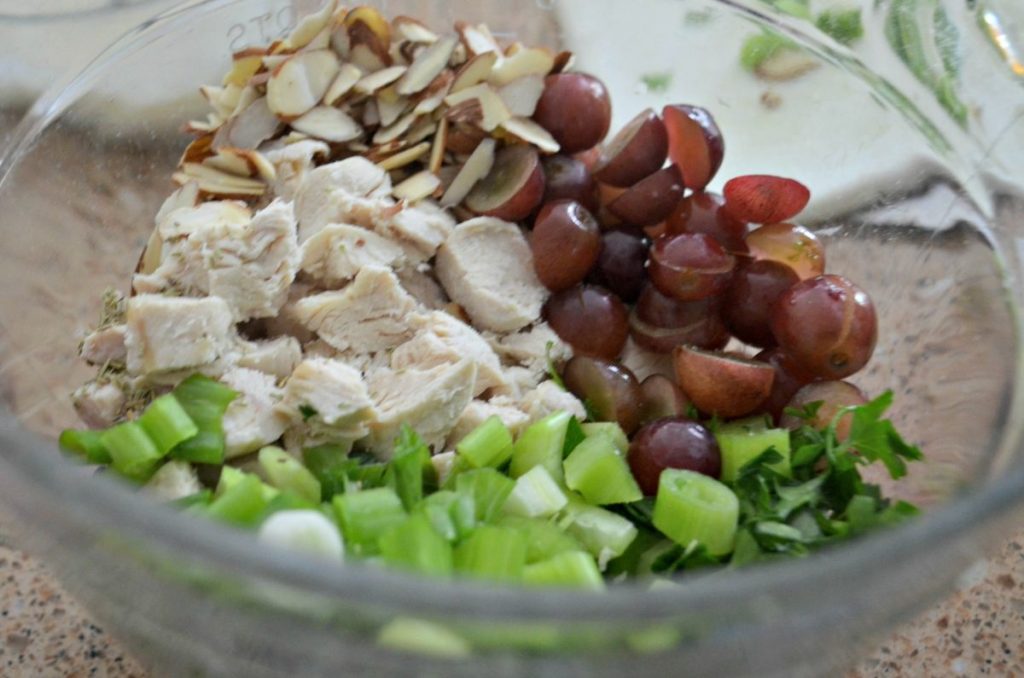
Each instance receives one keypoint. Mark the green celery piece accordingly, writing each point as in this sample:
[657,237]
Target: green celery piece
[287,473]
[167,423]
[366,514]
[409,463]
[574,435]
[612,431]
[418,636]
[759,48]
[330,465]
[85,444]
[604,534]
[241,504]
[494,553]
[741,442]
[231,476]
[535,495]
[541,444]
[133,453]
[693,507]
[489,490]
[797,8]
[452,515]
[544,539]
[415,545]
[201,498]
[205,401]
[597,471]
[286,501]
[488,445]
[843,26]
[575,569]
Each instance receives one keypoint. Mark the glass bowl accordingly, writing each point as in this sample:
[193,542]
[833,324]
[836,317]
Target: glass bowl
[916,196]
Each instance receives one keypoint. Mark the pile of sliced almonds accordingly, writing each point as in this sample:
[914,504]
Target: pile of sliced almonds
[432,110]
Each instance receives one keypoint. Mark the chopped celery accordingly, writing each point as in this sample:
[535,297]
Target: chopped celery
[330,465]
[285,472]
[569,569]
[367,514]
[597,471]
[611,430]
[843,26]
[535,495]
[452,514]
[205,401]
[231,476]
[742,441]
[86,444]
[422,637]
[541,444]
[242,503]
[489,444]
[757,49]
[544,539]
[693,507]
[492,552]
[409,463]
[415,545]
[167,423]
[132,452]
[489,490]
[604,534]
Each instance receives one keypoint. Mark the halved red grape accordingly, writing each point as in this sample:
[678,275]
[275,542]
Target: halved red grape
[828,325]
[590,319]
[513,188]
[750,301]
[661,398]
[566,178]
[651,199]
[722,384]
[575,109]
[565,242]
[690,266]
[610,390]
[660,323]
[789,244]
[622,265]
[695,143]
[678,443]
[789,378]
[833,396]
[764,199]
[637,151]
[703,213]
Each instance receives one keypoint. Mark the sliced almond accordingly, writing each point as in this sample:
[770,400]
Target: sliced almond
[340,42]
[378,153]
[321,40]
[372,19]
[395,130]
[421,130]
[230,163]
[243,67]
[358,147]
[264,168]
[382,78]
[369,35]
[477,39]
[521,96]
[406,51]
[459,56]
[437,150]
[433,96]
[222,99]
[476,168]
[403,158]
[348,76]
[564,61]
[249,94]
[310,26]
[428,65]
[493,108]
[475,71]
[198,150]
[526,61]
[250,128]
[329,124]
[367,59]
[413,30]
[272,61]
[200,126]
[418,186]
[391,109]
[371,114]
[469,112]
[300,83]
[216,182]
[532,133]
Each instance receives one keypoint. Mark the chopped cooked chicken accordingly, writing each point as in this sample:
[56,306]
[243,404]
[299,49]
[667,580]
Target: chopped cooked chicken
[644,363]
[422,287]
[286,322]
[420,229]
[430,401]
[479,411]
[485,265]
[105,345]
[373,313]
[335,254]
[98,404]
[277,357]
[549,398]
[174,333]
[292,162]
[351,191]
[328,397]
[443,339]
[251,420]
[532,349]
[174,480]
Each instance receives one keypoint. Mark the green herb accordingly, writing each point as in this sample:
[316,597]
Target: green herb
[574,435]
[656,82]
[844,26]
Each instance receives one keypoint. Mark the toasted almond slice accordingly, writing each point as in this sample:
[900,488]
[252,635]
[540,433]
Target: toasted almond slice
[310,26]
[477,39]
[413,30]
[300,83]
[521,96]
[437,151]
[475,71]
[418,186]
[293,137]
[372,19]
[459,56]
[403,158]
[272,61]
[368,59]
[493,108]
[222,99]
[348,76]
[525,61]
[230,163]
[264,168]
[383,151]
[390,111]
[358,147]
[433,96]
[371,114]
[340,42]
[476,168]
[329,124]
[564,61]
[321,40]
[467,112]
[369,35]
[382,78]
[249,94]
[532,133]
[395,130]
[200,126]
[242,68]
[198,149]
[249,128]
[421,130]
[428,65]
[214,181]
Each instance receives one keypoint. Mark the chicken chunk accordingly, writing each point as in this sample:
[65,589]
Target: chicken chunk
[251,420]
[174,480]
[422,287]
[105,345]
[644,363]
[352,191]
[373,313]
[174,333]
[549,398]
[277,357]
[485,265]
[430,401]
[286,322]
[292,162]
[420,229]
[338,252]
[99,405]
[328,397]
[532,349]
[479,411]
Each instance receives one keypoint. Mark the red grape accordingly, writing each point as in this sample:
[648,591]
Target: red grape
[590,319]
[703,213]
[637,151]
[756,287]
[575,109]
[722,384]
[622,265]
[695,143]
[565,243]
[690,266]
[610,390]
[833,396]
[513,188]
[649,200]
[567,178]
[661,398]
[677,443]
[764,199]
[789,244]
[828,325]
[789,378]
[660,323]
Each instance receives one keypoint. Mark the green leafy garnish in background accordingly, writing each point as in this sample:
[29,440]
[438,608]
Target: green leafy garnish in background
[656,82]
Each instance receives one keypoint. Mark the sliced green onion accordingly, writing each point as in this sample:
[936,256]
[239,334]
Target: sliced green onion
[415,545]
[422,637]
[409,463]
[693,507]
[596,470]
[488,445]
[243,503]
[367,514]
[541,444]
[612,431]
[85,444]
[492,552]
[132,452]
[570,569]
[543,538]
[452,515]
[604,534]
[287,473]
[167,423]
[535,495]
[742,441]
[205,401]
[489,490]
[330,465]
[305,531]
